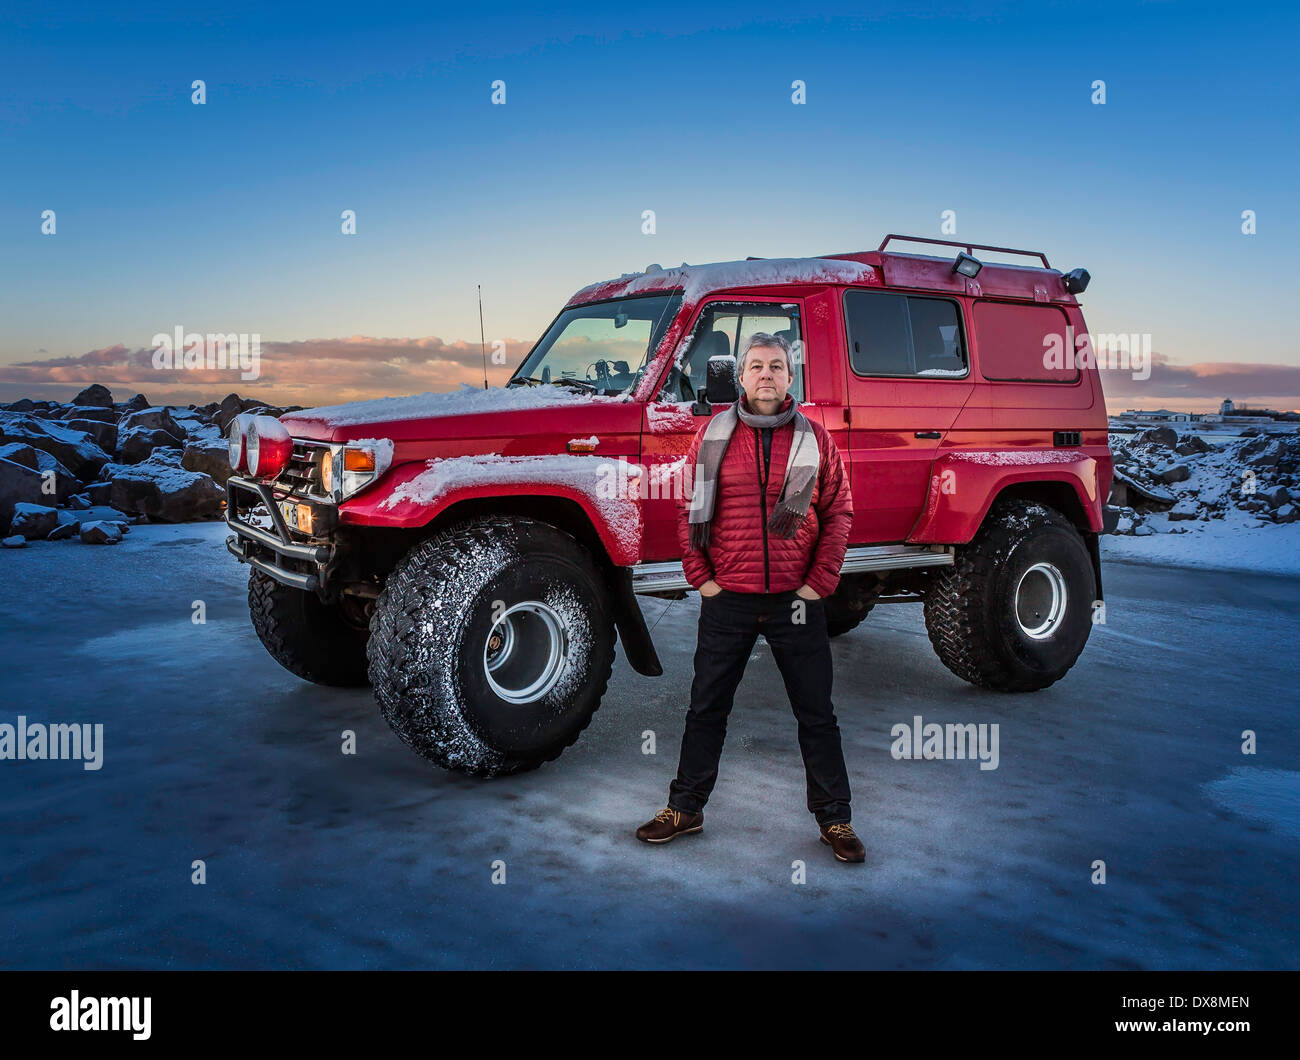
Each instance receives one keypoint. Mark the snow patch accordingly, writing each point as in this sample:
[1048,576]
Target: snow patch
[699,280]
[465,401]
[603,481]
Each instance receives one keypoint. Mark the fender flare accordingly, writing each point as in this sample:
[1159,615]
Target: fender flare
[964,484]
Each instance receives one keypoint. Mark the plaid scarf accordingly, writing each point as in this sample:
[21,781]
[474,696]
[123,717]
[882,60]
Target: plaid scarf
[800,470]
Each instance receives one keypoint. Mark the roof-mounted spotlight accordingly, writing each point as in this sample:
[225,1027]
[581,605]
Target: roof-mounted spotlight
[967,266]
[1076,281]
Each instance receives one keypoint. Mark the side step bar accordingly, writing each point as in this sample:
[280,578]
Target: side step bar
[668,576]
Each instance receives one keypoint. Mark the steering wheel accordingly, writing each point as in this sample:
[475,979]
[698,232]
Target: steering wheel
[602,374]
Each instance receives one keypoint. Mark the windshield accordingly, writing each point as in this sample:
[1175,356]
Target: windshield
[602,348]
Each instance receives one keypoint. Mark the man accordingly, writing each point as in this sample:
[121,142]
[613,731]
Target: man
[763,540]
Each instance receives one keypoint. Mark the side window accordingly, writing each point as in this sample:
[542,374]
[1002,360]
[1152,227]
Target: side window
[1024,343]
[900,334]
[722,330]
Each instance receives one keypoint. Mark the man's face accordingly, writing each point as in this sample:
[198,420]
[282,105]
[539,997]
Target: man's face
[765,378]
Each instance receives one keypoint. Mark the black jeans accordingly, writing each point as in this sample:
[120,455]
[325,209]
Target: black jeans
[730,623]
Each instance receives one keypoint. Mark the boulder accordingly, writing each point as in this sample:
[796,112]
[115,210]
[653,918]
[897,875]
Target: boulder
[16,541]
[137,444]
[79,502]
[1184,509]
[1177,472]
[88,412]
[97,492]
[1288,513]
[20,453]
[100,533]
[18,485]
[137,403]
[156,418]
[76,450]
[33,520]
[1266,455]
[105,434]
[95,395]
[1275,497]
[1191,445]
[163,490]
[210,456]
[229,408]
[1143,531]
[1164,436]
[62,482]
[21,405]
[64,531]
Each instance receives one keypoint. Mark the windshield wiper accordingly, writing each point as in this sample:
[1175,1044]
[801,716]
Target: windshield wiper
[525,379]
[566,381]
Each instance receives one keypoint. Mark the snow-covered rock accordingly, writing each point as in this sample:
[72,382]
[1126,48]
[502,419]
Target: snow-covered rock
[209,454]
[33,520]
[105,434]
[100,533]
[75,449]
[157,418]
[163,490]
[137,443]
[19,484]
[14,541]
[88,412]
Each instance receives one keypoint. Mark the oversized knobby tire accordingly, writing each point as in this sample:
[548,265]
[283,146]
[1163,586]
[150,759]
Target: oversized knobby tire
[851,602]
[310,639]
[492,644]
[1014,610]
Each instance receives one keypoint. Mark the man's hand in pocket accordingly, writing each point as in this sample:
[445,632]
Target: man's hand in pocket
[806,593]
[710,588]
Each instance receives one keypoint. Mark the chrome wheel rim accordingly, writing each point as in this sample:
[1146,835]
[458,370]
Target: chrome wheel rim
[1040,601]
[525,651]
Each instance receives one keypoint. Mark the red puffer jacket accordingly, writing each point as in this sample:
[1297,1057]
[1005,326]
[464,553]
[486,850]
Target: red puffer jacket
[743,555]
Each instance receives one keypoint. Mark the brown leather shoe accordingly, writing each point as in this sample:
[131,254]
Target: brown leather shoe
[841,840]
[669,823]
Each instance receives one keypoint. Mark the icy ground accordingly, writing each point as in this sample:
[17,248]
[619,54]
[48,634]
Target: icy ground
[315,859]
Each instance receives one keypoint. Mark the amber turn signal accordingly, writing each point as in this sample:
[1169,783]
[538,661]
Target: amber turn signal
[358,460]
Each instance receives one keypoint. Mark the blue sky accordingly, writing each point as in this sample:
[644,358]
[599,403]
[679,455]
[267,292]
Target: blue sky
[225,217]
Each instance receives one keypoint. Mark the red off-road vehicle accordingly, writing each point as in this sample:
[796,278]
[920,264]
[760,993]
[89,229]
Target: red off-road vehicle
[471,554]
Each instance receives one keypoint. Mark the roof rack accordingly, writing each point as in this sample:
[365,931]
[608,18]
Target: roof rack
[970,248]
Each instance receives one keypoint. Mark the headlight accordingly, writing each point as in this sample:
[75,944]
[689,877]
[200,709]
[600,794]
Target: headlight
[348,469]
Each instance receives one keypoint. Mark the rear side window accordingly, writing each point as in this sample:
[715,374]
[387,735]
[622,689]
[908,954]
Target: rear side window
[903,335]
[1023,343]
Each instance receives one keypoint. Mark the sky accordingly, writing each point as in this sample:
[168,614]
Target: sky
[225,216]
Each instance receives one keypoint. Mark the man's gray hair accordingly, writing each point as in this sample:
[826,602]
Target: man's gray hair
[768,340]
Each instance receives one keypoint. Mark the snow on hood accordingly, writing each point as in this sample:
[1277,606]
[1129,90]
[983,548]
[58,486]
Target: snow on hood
[465,401]
[699,280]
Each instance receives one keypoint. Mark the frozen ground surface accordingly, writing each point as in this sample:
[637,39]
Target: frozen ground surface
[317,860]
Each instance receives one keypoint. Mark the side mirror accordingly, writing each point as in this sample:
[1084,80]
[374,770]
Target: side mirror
[719,386]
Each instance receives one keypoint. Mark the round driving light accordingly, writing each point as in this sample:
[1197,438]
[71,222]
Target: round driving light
[235,440]
[268,446]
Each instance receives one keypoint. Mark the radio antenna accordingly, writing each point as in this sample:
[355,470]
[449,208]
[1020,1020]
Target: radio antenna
[482,341]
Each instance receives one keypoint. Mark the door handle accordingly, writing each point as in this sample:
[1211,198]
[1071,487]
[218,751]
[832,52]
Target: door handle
[929,434]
